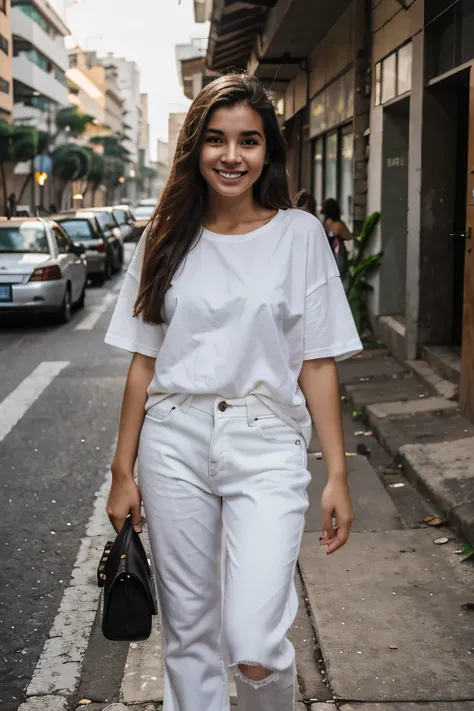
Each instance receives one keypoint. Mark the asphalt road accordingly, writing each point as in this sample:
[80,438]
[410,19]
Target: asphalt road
[53,460]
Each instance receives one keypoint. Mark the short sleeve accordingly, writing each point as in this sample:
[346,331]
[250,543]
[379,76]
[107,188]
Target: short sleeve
[329,328]
[125,330]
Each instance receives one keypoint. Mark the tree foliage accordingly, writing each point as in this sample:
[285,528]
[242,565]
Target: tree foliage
[71,120]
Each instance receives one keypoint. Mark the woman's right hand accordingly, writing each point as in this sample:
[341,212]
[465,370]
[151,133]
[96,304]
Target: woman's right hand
[124,498]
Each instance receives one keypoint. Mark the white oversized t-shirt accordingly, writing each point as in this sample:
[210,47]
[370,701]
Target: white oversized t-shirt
[242,314]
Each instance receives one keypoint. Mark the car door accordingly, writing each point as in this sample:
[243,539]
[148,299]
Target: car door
[71,264]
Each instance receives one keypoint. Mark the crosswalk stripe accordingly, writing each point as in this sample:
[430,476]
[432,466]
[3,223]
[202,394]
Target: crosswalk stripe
[15,405]
[89,321]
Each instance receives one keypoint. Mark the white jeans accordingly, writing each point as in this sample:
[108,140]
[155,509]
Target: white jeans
[224,489]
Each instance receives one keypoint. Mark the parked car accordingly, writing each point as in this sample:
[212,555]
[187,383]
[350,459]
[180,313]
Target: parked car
[107,216]
[87,231]
[125,219]
[110,230]
[41,270]
[142,213]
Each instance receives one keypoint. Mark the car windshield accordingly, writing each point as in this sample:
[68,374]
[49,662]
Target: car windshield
[28,237]
[78,229]
[142,212]
[105,220]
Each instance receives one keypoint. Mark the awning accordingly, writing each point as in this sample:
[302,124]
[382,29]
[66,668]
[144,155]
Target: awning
[235,25]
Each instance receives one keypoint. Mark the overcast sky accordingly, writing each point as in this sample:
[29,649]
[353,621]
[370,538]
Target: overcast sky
[145,31]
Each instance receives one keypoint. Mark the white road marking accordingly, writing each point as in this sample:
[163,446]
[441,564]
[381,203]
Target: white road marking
[15,405]
[58,670]
[89,321]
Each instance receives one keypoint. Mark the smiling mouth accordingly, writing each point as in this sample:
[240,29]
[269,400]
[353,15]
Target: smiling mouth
[231,176]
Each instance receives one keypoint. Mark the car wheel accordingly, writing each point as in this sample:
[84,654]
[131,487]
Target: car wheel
[64,313]
[80,303]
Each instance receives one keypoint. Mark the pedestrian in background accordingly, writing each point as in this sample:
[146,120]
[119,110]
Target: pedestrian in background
[305,201]
[234,354]
[337,233]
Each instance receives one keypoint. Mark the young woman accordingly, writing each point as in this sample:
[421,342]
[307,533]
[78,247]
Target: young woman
[235,313]
[337,233]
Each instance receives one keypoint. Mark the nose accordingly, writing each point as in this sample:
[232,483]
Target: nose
[232,154]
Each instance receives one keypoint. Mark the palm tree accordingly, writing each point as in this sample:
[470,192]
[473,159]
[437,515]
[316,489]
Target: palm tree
[70,162]
[73,121]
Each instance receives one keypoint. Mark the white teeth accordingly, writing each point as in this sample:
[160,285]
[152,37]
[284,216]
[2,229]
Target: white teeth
[229,175]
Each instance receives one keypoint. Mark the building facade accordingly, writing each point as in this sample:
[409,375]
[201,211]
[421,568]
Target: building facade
[40,63]
[128,77]
[370,87]
[6,52]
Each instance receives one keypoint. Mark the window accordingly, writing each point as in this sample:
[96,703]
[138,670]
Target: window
[333,158]
[4,86]
[405,54]
[389,78]
[4,44]
[64,246]
[393,74]
[72,60]
[28,237]
[37,17]
[449,32]
[330,177]
[346,181]
[318,171]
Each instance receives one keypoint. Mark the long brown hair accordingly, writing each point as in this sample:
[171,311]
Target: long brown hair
[175,225]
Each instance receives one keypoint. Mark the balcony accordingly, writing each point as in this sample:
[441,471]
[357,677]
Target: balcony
[27,29]
[37,79]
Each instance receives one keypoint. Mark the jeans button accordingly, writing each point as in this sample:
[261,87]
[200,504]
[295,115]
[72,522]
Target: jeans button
[222,406]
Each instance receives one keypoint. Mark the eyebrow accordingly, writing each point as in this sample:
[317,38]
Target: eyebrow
[245,134]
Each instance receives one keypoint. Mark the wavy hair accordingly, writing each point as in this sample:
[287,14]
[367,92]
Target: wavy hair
[176,224]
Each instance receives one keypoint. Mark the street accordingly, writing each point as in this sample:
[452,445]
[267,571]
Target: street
[56,438]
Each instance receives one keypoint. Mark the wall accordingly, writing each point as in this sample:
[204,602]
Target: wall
[392,25]
[334,54]
[6,98]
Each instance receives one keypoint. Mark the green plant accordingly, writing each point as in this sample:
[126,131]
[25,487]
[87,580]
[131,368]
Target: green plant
[361,265]
[71,120]
[70,162]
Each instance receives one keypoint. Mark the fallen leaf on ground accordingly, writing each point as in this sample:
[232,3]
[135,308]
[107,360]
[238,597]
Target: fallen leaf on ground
[441,541]
[467,606]
[393,646]
[436,522]
[357,414]
[398,485]
[84,702]
[350,454]
[427,519]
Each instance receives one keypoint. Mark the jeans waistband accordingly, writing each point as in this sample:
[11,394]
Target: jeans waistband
[250,407]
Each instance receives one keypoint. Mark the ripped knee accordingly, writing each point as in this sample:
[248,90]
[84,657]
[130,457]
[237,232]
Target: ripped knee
[255,674]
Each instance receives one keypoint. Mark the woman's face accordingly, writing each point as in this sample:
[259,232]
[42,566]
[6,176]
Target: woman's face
[233,150]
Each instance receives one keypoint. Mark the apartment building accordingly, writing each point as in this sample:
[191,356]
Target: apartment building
[378,110]
[40,62]
[6,50]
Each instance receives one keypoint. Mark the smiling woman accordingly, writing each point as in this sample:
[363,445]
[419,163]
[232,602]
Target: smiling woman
[235,312]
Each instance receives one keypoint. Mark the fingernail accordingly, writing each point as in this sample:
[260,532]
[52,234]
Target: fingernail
[324,534]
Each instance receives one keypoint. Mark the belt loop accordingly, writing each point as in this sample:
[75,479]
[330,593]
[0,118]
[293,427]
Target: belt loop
[187,403]
[250,404]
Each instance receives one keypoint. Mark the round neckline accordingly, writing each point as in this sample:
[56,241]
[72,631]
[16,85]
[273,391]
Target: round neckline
[245,235]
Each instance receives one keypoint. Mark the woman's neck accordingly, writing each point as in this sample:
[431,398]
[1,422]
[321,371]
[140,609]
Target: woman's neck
[226,214]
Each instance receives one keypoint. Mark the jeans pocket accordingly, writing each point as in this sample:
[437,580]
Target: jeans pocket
[275,430]
[161,411]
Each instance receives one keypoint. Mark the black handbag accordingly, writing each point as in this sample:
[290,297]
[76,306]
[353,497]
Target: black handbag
[125,575]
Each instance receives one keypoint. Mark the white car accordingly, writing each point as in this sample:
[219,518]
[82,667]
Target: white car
[41,270]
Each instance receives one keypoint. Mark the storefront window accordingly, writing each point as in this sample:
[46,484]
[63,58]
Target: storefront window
[378,83]
[330,178]
[318,172]
[347,156]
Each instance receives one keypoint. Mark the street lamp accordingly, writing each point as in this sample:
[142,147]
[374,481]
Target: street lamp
[132,174]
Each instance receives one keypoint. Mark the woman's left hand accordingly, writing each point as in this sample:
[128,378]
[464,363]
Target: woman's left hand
[336,501]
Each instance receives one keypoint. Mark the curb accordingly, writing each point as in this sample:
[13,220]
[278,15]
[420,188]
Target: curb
[460,516]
